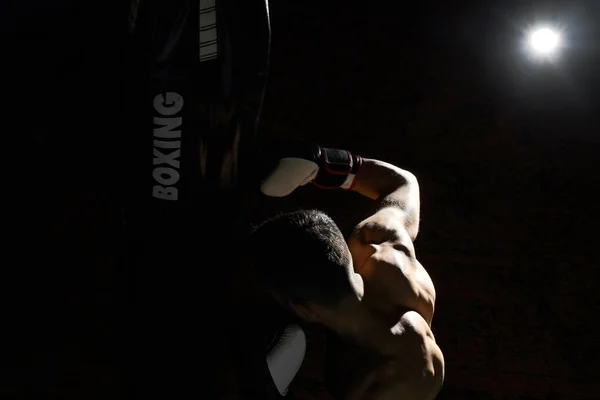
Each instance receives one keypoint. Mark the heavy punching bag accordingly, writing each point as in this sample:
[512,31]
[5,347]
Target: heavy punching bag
[196,78]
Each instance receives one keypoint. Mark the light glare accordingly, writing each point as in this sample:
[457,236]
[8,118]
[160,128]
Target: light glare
[544,40]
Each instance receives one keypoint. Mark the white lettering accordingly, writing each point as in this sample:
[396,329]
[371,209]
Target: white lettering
[167,164]
[163,144]
[169,104]
[169,193]
[165,176]
[165,131]
[166,158]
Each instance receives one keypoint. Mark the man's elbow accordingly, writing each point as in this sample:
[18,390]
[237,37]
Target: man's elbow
[428,365]
[428,379]
[436,370]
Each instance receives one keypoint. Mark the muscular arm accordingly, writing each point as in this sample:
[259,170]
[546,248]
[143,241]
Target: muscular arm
[382,244]
[391,187]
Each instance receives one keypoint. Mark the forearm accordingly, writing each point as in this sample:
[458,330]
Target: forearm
[390,186]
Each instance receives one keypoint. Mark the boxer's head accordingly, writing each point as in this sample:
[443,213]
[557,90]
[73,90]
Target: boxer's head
[304,261]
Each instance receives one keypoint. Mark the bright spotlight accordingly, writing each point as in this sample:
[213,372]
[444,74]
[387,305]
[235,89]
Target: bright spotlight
[544,41]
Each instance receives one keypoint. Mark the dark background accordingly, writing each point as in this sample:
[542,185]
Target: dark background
[505,150]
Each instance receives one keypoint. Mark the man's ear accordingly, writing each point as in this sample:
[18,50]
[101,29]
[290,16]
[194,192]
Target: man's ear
[306,310]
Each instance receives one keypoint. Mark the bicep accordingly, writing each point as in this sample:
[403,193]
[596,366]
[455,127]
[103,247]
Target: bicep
[387,224]
[406,201]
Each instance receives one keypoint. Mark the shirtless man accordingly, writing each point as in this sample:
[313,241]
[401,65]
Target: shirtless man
[372,291]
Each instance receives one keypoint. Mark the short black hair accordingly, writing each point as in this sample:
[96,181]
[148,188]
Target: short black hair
[302,255]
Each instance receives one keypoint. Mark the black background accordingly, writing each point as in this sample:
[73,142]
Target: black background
[505,150]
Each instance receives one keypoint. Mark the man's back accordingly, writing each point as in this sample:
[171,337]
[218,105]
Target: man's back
[384,316]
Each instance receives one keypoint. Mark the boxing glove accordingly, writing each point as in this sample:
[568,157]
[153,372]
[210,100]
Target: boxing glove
[285,355]
[302,163]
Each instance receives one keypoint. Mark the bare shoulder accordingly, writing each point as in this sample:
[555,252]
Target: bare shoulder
[416,372]
[386,225]
[384,255]
[419,372]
